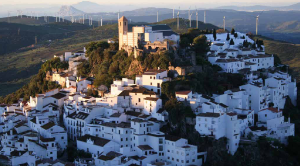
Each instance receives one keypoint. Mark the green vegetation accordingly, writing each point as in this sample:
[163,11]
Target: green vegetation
[288,53]
[38,83]
[106,63]
[23,64]
[74,153]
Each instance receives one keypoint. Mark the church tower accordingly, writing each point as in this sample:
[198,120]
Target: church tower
[123,29]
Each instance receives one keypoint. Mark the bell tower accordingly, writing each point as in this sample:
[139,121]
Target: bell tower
[123,29]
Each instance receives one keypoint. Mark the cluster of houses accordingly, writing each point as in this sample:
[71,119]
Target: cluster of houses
[121,126]
[232,114]
[237,57]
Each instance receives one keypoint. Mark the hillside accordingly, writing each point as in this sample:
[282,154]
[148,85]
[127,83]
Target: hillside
[26,63]
[184,25]
[288,53]
[23,65]
[15,36]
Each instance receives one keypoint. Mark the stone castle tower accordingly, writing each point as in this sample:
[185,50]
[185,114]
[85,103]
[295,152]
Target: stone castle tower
[123,29]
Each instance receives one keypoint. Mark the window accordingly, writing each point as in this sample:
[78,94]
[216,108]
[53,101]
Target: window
[161,148]
[139,99]
[161,141]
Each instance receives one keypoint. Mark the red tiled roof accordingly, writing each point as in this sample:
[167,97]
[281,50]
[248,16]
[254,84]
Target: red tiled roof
[183,92]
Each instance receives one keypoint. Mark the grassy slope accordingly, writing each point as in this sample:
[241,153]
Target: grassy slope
[15,68]
[288,53]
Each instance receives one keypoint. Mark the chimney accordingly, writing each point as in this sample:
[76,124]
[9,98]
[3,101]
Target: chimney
[289,120]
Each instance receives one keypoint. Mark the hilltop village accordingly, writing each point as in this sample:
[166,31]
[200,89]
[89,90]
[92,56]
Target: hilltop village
[122,124]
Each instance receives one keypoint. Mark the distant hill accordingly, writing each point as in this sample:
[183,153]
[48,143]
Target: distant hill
[184,25]
[87,6]
[26,63]
[261,7]
[69,11]
[288,53]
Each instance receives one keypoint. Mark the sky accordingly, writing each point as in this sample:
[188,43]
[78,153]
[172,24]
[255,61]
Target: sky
[215,2]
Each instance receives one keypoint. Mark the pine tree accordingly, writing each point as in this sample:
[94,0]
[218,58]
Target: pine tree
[232,31]
[215,34]
[228,38]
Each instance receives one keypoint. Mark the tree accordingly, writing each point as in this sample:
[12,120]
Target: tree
[231,42]
[227,38]
[235,35]
[215,34]
[200,45]
[232,31]
[254,46]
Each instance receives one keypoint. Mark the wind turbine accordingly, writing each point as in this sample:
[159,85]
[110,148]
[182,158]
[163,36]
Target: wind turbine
[178,20]
[173,12]
[191,20]
[204,16]
[8,17]
[189,13]
[197,19]
[224,23]
[257,24]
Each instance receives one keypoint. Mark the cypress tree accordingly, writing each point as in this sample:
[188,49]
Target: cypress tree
[228,38]
[232,31]
[215,34]
[231,42]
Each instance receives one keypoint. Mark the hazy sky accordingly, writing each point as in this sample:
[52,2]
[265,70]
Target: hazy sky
[242,2]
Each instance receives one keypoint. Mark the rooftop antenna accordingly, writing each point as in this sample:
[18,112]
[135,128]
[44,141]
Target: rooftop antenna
[204,16]
[224,23]
[157,16]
